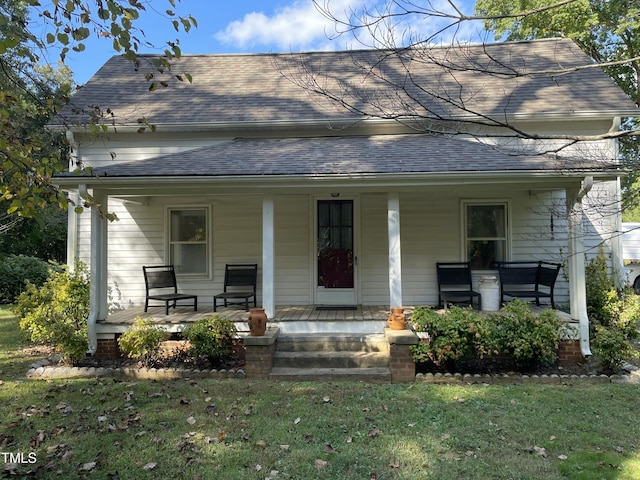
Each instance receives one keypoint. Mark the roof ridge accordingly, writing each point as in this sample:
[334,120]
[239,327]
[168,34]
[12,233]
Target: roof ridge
[355,50]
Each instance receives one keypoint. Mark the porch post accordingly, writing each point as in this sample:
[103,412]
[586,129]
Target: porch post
[98,268]
[577,286]
[395,258]
[268,257]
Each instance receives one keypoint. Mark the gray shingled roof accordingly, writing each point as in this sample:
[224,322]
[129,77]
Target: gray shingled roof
[380,154]
[252,88]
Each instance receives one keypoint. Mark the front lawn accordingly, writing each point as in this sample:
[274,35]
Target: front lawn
[247,429]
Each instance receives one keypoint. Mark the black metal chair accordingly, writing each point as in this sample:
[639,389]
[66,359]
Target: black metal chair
[239,284]
[454,283]
[162,278]
[524,279]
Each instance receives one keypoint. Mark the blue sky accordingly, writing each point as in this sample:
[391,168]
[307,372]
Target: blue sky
[244,26]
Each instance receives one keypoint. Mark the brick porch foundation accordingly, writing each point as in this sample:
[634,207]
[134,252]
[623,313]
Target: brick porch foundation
[401,364]
[259,353]
[569,353]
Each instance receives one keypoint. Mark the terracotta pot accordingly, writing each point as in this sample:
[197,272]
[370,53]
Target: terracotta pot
[396,320]
[257,322]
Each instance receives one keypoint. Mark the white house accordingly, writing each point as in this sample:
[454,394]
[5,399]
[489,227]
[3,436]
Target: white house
[244,165]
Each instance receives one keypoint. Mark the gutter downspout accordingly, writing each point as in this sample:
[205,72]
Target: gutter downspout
[577,272]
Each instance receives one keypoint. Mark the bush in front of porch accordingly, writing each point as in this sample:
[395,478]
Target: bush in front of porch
[614,316]
[143,341]
[517,334]
[210,339]
[55,313]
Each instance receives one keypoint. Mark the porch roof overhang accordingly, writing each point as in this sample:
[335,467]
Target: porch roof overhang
[364,162]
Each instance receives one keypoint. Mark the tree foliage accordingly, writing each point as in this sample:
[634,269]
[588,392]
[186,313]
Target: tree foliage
[609,31]
[32,91]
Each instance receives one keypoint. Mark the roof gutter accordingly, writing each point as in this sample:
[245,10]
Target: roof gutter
[364,179]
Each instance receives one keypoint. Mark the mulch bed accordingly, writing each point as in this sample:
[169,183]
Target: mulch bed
[502,366]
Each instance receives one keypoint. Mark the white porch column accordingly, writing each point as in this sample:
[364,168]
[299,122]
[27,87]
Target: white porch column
[395,258]
[577,286]
[98,268]
[268,257]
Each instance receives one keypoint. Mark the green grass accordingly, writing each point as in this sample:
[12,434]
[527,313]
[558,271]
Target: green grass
[249,429]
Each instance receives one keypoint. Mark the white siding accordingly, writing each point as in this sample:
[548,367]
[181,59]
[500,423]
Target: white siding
[293,249]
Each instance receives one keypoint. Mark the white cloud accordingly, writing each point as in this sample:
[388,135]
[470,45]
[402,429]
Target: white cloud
[299,26]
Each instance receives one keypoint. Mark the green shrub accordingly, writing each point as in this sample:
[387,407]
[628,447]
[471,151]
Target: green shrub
[614,316]
[142,341]
[612,348]
[600,289]
[56,313]
[18,270]
[526,336]
[210,338]
[453,335]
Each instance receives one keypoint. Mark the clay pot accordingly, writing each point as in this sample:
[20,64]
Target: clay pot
[396,320]
[257,322]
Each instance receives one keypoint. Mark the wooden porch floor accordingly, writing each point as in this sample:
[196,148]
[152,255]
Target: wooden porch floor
[120,321]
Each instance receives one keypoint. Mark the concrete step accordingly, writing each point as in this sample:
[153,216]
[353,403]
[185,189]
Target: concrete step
[330,359]
[332,356]
[332,342]
[368,375]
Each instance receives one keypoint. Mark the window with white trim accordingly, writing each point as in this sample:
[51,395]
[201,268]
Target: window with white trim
[189,240]
[485,234]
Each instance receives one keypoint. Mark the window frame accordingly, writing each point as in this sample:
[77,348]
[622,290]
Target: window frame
[507,226]
[208,242]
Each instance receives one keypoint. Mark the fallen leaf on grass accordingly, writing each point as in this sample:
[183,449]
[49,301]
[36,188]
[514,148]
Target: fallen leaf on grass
[308,438]
[373,432]
[6,440]
[562,457]
[320,463]
[191,420]
[328,448]
[537,450]
[150,466]
[64,408]
[261,443]
[87,467]
[394,464]
[284,448]
[36,440]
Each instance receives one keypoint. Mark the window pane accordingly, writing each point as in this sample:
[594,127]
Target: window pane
[486,221]
[188,226]
[189,258]
[483,253]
